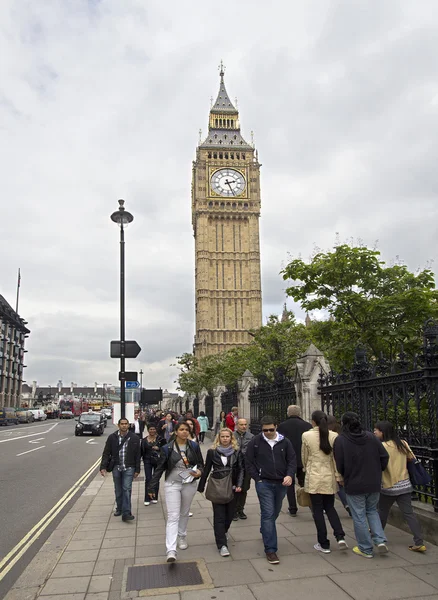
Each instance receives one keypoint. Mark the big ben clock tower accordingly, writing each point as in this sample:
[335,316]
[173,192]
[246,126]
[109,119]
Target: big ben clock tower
[225,217]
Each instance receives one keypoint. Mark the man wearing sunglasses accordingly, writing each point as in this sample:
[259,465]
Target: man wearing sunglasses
[270,460]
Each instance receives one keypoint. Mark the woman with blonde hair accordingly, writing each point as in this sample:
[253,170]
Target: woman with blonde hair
[225,462]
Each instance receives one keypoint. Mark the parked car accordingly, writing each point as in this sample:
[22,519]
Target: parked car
[66,414]
[89,423]
[25,415]
[8,415]
[38,414]
[108,412]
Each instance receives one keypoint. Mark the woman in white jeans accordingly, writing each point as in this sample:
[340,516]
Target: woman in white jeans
[183,463]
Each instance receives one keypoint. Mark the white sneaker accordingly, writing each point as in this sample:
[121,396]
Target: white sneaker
[190,514]
[154,501]
[171,556]
[382,548]
[342,544]
[182,543]
[321,549]
[224,551]
[146,503]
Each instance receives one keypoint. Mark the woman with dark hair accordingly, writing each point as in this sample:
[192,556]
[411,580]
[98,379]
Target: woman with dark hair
[220,422]
[183,464]
[321,480]
[396,485]
[334,425]
[361,459]
[204,425]
[191,423]
[166,427]
[150,452]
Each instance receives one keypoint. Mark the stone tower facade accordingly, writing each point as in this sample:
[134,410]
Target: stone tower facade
[225,217]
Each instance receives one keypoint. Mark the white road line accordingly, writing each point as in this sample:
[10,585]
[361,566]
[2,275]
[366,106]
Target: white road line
[33,450]
[59,441]
[90,442]
[27,436]
[21,429]
[35,441]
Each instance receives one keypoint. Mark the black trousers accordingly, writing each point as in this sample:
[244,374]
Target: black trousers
[201,436]
[291,498]
[241,496]
[321,503]
[222,518]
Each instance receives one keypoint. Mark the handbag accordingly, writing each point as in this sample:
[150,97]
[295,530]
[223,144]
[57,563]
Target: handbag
[303,497]
[417,473]
[220,489]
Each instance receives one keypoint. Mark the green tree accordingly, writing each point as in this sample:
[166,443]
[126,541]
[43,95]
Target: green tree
[368,301]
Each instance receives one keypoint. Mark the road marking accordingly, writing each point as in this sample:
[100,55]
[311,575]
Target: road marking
[35,441]
[90,442]
[24,544]
[33,450]
[59,441]
[27,436]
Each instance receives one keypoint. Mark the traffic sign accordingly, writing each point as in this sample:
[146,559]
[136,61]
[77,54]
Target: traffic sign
[128,376]
[132,384]
[132,349]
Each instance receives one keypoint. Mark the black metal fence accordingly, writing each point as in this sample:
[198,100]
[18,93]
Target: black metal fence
[229,398]
[403,393]
[209,410]
[271,398]
[196,407]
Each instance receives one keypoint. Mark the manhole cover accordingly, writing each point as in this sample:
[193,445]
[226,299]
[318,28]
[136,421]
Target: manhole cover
[163,576]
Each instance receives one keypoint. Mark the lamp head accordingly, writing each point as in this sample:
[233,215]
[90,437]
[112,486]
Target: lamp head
[122,217]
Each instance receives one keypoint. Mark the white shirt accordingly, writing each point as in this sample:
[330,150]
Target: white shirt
[136,426]
[224,460]
[272,442]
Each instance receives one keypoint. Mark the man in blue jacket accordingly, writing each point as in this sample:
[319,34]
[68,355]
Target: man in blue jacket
[270,460]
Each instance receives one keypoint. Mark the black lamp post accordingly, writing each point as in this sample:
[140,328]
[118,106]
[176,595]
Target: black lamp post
[141,385]
[122,218]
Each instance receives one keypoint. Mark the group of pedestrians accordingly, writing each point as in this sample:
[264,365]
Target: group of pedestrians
[367,470]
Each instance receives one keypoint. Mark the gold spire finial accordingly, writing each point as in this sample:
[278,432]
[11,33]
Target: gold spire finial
[221,69]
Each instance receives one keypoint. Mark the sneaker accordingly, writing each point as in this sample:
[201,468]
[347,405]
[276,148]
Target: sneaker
[236,517]
[117,513]
[342,544]
[319,548]
[242,515]
[146,503]
[382,548]
[154,501]
[272,558]
[182,543]
[190,514]
[128,518]
[171,557]
[224,551]
[359,552]
[292,513]
[421,548]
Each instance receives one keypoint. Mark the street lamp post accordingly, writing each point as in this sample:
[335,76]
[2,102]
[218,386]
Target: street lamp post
[122,217]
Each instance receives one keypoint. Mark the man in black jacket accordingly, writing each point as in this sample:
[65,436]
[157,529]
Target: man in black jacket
[293,428]
[360,458]
[121,455]
[271,462]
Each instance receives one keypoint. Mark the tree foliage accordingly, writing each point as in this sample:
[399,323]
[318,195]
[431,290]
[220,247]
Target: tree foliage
[277,345]
[381,306]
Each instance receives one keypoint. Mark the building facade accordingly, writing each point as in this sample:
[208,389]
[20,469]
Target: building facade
[225,218]
[13,332]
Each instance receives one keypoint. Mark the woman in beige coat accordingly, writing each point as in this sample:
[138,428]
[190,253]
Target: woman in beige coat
[321,480]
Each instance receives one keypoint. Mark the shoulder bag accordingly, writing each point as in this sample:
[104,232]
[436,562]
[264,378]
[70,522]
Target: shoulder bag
[220,489]
[303,497]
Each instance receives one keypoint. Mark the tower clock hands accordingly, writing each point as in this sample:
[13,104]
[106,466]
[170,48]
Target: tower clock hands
[228,183]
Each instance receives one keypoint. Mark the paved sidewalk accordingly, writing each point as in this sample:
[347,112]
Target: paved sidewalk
[88,555]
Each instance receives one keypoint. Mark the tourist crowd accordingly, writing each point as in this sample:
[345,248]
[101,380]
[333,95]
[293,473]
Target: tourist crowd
[309,462]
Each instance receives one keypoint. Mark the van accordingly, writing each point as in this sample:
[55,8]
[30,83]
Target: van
[38,414]
[8,415]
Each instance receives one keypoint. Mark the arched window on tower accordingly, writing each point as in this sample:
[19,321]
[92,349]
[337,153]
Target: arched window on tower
[214,154]
[216,122]
[220,155]
[209,155]
[243,156]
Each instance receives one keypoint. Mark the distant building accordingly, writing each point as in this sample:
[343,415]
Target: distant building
[36,394]
[13,332]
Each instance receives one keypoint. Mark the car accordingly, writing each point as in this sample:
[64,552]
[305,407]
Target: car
[8,415]
[89,423]
[66,414]
[108,412]
[25,416]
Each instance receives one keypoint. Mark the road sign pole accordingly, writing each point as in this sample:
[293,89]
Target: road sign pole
[122,322]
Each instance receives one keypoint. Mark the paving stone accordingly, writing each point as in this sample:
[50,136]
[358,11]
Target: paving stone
[71,520]
[73,570]
[67,585]
[243,534]
[255,549]
[307,588]
[108,553]
[90,527]
[232,573]
[98,596]
[416,558]
[79,556]
[293,567]
[119,542]
[119,565]
[100,583]
[66,597]
[428,573]
[38,570]
[239,592]
[119,533]
[84,545]
[208,552]
[384,584]
[103,519]
[305,543]
[152,540]
[151,530]
[156,550]
[302,528]
[196,524]
[95,534]
[347,562]
[23,594]
[104,567]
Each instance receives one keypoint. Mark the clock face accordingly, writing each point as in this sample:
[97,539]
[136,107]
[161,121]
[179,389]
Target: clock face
[228,182]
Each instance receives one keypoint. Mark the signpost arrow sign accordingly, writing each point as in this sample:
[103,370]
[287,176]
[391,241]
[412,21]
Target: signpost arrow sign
[132,349]
[132,384]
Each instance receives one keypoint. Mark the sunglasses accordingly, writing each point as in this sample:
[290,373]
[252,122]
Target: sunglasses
[271,430]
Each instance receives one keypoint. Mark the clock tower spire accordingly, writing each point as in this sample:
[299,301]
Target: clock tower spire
[225,218]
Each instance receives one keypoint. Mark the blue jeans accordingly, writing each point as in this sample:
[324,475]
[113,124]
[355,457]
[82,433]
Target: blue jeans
[122,488]
[366,517]
[271,497]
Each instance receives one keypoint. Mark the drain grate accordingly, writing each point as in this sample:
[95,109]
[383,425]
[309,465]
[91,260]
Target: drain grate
[163,576]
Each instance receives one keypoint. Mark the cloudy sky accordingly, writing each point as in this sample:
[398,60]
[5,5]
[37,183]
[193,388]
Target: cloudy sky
[104,100]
